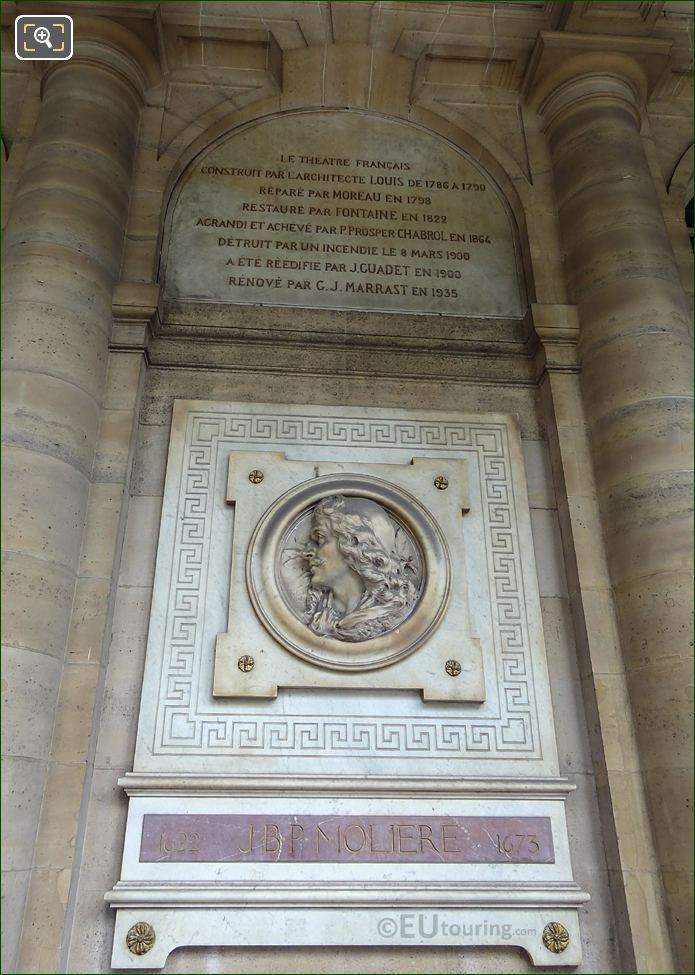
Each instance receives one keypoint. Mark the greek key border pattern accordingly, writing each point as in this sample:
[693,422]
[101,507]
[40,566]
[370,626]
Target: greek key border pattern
[181,729]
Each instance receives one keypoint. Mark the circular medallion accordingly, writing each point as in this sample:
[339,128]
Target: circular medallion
[348,572]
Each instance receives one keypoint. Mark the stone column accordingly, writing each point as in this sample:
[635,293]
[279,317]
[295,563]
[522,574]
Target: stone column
[636,381]
[62,255]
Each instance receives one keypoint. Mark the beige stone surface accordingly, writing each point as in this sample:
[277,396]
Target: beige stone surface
[50,416]
[615,733]
[645,893]
[657,510]
[15,890]
[539,481]
[103,513]
[346,80]
[43,507]
[566,691]
[667,424]
[45,275]
[622,273]
[91,940]
[599,646]
[61,263]
[653,599]
[43,922]
[74,351]
[112,453]
[607,709]
[140,259]
[123,376]
[547,545]
[140,542]
[74,718]
[162,389]
[15,886]
[36,601]
[88,620]
[678,889]
[583,515]
[22,788]
[149,462]
[30,683]
[63,244]
[55,848]
[664,687]
[119,715]
[389,84]
[576,468]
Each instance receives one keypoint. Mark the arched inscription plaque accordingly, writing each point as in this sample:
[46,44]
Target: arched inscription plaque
[342,209]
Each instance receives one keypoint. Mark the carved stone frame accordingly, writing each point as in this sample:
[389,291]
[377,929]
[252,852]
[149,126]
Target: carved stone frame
[268,601]
[266,646]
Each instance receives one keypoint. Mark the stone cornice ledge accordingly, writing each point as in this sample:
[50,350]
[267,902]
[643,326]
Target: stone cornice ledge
[344,894]
[148,783]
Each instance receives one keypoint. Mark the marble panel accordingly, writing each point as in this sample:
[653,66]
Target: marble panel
[346,754]
[379,902]
[279,837]
[189,721]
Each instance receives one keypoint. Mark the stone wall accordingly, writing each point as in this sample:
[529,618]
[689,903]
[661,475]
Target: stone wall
[96,147]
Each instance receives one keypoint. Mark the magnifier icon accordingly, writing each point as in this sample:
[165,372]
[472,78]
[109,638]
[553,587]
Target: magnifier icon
[42,35]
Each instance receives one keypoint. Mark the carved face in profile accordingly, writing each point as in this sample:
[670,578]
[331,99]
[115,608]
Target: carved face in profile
[327,566]
[361,587]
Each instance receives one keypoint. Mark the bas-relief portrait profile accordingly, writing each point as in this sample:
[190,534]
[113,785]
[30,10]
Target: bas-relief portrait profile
[350,571]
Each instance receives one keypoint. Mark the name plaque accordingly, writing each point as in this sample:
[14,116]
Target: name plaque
[348,210]
[175,838]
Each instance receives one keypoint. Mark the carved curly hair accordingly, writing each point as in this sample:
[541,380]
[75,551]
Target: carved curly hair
[366,539]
